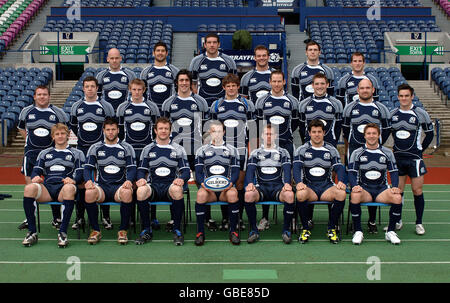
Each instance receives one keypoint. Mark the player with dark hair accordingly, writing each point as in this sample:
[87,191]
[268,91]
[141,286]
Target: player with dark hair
[114,165]
[313,165]
[159,76]
[367,172]
[301,76]
[208,70]
[408,123]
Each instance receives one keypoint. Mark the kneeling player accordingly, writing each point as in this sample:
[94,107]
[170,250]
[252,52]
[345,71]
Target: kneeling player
[167,167]
[62,169]
[314,162]
[217,158]
[269,179]
[115,165]
[367,173]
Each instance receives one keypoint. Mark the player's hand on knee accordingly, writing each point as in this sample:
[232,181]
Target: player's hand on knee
[341,186]
[89,185]
[250,187]
[287,187]
[37,179]
[68,180]
[141,182]
[395,190]
[178,182]
[301,186]
[127,184]
[356,189]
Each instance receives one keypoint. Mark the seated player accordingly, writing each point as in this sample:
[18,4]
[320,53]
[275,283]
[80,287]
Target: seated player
[166,164]
[61,167]
[114,163]
[217,158]
[268,178]
[313,165]
[367,173]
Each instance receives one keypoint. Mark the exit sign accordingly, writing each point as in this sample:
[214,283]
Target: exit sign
[419,50]
[64,49]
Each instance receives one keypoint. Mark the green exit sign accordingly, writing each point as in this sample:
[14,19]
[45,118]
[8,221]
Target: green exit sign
[419,50]
[64,49]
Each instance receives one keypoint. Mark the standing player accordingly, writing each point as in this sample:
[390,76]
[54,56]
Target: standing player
[355,117]
[301,76]
[255,83]
[217,158]
[314,163]
[238,115]
[159,76]
[268,178]
[86,122]
[115,167]
[408,122]
[279,109]
[324,107]
[208,70]
[113,82]
[348,84]
[61,167]
[367,172]
[162,173]
[35,123]
[137,117]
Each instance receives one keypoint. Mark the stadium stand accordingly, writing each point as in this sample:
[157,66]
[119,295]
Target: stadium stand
[445,6]
[111,3]
[440,78]
[208,3]
[364,3]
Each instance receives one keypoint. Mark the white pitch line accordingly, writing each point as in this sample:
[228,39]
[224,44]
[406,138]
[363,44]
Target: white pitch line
[233,263]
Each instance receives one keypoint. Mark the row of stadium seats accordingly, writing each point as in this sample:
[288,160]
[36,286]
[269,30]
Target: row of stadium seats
[234,27]
[14,15]
[441,81]
[340,39]
[208,3]
[365,3]
[135,39]
[17,89]
[111,3]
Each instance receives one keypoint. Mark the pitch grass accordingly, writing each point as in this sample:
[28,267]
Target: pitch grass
[417,259]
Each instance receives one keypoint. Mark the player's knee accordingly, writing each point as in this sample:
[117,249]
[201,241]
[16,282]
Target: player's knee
[31,190]
[142,193]
[301,197]
[126,195]
[202,196]
[69,191]
[341,195]
[288,197]
[91,195]
[249,197]
[417,191]
[232,195]
[176,192]
[355,198]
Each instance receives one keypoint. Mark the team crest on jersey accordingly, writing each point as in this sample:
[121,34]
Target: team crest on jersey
[382,159]
[286,104]
[69,157]
[173,154]
[31,116]
[121,154]
[329,109]
[241,108]
[124,79]
[327,156]
[276,157]
[375,112]
[52,118]
[146,111]
[308,155]
[193,106]
[261,157]
[168,74]
[101,153]
[222,66]
[226,153]
[412,120]
[99,111]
